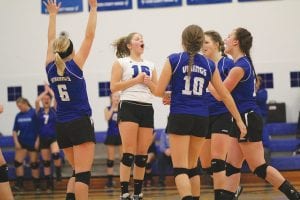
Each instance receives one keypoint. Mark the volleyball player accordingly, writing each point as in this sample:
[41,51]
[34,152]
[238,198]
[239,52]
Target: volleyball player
[241,82]
[26,140]
[135,78]
[46,116]
[5,190]
[189,74]
[74,127]
[113,138]
[215,147]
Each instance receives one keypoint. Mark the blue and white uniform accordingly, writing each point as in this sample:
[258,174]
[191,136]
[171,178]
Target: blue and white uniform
[46,121]
[113,135]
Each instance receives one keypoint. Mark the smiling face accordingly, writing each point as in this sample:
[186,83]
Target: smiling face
[210,47]
[230,42]
[46,101]
[136,45]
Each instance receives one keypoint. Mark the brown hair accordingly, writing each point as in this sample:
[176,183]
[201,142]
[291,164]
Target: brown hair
[216,37]
[24,101]
[121,45]
[192,39]
[245,43]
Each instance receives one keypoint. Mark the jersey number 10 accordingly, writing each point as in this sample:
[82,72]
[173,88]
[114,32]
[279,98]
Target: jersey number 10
[197,86]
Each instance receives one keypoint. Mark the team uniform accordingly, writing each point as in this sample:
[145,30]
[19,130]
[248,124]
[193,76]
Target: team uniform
[244,96]
[220,120]
[46,121]
[113,135]
[188,109]
[26,126]
[74,124]
[136,101]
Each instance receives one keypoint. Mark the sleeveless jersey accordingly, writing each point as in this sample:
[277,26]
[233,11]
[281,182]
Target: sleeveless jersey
[70,92]
[217,107]
[131,69]
[188,92]
[46,123]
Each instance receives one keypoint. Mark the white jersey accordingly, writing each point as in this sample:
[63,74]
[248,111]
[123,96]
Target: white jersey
[139,92]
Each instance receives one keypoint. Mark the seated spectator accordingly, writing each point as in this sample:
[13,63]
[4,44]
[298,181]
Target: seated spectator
[261,98]
[164,161]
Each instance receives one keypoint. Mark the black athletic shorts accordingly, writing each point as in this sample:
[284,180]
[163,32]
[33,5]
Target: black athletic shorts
[152,148]
[27,146]
[138,112]
[185,124]
[222,124]
[254,124]
[45,143]
[75,132]
[113,139]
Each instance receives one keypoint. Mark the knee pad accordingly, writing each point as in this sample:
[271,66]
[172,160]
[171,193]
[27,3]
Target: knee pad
[178,171]
[127,159]
[230,169]
[194,172]
[46,163]
[140,160]
[208,170]
[55,156]
[261,171]
[148,165]
[109,163]
[83,177]
[3,173]
[17,164]
[218,165]
[34,165]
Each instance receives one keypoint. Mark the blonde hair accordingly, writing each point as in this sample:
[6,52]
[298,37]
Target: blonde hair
[61,44]
[121,45]
[23,101]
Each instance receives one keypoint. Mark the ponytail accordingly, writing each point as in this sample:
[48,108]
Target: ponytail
[121,45]
[60,64]
[191,62]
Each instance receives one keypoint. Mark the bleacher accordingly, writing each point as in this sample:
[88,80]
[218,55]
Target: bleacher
[280,138]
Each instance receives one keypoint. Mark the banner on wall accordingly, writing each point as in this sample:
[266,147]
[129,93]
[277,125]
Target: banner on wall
[196,2]
[158,3]
[255,0]
[106,5]
[67,6]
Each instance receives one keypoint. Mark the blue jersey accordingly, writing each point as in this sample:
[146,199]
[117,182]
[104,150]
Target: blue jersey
[261,100]
[46,121]
[26,127]
[217,107]
[70,92]
[113,128]
[188,92]
[244,92]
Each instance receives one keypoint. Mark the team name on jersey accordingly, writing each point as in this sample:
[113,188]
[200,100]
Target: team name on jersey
[60,79]
[24,119]
[196,69]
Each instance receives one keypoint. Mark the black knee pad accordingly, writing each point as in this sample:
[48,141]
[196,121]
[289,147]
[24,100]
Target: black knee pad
[230,169]
[178,171]
[208,170]
[83,177]
[218,165]
[47,163]
[109,163]
[140,160]
[34,165]
[127,159]
[17,164]
[55,156]
[148,165]
[194,172]
[3,173]
[261,171]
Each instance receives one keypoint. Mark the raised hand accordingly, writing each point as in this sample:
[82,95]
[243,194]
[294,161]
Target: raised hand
[52,6]
[93,3]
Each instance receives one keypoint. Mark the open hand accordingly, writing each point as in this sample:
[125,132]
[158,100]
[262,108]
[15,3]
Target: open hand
[52,6]
[93,3]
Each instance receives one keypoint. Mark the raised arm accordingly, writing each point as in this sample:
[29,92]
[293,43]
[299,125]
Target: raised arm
[116,74]
[53,9]
[164,80]
[228,101]
[87,42]
[38,100]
